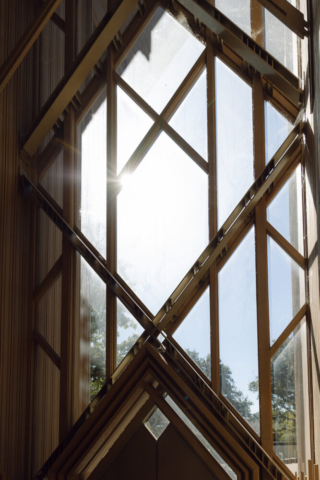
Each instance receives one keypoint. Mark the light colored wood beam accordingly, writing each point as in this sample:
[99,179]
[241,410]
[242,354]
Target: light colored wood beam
[76,74]
[287,247]
[289,329]
[26,41]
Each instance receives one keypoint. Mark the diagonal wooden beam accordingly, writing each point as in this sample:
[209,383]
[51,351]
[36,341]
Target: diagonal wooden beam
[77,73]
[249,50]
[26,41]
[287,14]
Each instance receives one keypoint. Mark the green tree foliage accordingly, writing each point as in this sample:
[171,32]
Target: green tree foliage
[283,394]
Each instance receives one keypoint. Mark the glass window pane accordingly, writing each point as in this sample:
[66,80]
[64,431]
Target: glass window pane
[194,333]
[93,324]
[162,222]
[277,128]
[128,331]
[281,42]
[234,139]
[238,11]
[290,402]
[160,59]
[133,124]
[286,289]
[200,437]
[238,328]
[285,211]
[190,120]
[92,134]
[157,423]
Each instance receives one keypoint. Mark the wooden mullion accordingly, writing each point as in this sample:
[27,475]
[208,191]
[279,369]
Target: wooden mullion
[257,26]
[49,154]
[111,340]
[46,347]
[262,272]
[288,330]
[49,280]
[286,246]
[59,22]
[68,390]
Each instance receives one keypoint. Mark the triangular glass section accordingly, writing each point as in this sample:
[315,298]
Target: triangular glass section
[128,331]
[52,180]
[159,60]
[133,124]
[157,423]
[190,120]
[194,333]
[286,289]
[277,128]
[238,338]
[200,437]
[285,211]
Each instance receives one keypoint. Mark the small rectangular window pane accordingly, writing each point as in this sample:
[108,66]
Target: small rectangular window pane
[238,332]
[290,402]
[238,11]
[234,139]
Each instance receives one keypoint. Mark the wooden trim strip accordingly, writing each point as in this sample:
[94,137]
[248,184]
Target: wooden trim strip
[287,247]
[49,154]
[49,280]
[287,14]
[26,41]
[76,74]
[46,347]
[246,47]
[289,329]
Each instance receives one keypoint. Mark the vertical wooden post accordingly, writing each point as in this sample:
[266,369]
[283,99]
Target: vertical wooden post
[257,22]
[213,212]
[262,272]
[68,327]
[111,343]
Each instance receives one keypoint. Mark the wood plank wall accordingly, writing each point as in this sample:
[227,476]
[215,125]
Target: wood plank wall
[15,247]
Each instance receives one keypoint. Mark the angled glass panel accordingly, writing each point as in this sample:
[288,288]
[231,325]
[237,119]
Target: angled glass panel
[157,423]
[52,180]
[93,301]
[286,289]
[49,315]
[238,11]
[285,211]
[238,331]
[280,41]
[194,333]
[128,331]
[200,437]
[234,139]
[92,135]
[190,120]
[133,124]
[290,401]
[277,128]
[159,60]
[162,222]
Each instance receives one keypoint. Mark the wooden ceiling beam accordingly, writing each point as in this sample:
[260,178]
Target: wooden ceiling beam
[26,41]
[76,75]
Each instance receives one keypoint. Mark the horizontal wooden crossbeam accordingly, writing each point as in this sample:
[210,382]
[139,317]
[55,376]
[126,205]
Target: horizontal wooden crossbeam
[287,14]
[76,75]
[26,41]
[246,47]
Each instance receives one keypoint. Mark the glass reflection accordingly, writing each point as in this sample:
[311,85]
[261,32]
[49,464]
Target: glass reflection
[277,128]
[160,59]
[285,211]
[190,120]
[162,222]
[93,326]
[286,289]
[92,133]
[238,332]
[290,403]
[234,139]
[133,124]
[238,11]
[128,331]
[194,333]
